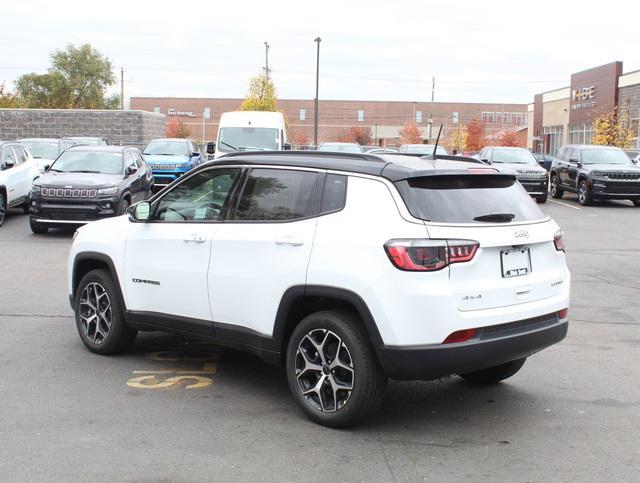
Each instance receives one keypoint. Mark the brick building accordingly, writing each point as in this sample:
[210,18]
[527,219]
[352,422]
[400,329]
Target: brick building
[565,116]
[384,118]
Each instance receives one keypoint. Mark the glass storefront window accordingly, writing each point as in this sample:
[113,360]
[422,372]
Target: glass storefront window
[555,139]
[580,133]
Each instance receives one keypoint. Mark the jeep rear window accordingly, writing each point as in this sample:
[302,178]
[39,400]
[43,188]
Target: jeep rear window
[461,198]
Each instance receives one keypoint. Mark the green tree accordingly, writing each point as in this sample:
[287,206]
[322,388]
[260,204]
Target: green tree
[77,79]
[261,96]
[8,100]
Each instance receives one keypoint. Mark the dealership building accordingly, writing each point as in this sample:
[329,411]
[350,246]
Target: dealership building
[565,116]
[335,118]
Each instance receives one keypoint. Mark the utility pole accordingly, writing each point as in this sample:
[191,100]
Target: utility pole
[121,88]
[315,101]
[433,88]
[266,60]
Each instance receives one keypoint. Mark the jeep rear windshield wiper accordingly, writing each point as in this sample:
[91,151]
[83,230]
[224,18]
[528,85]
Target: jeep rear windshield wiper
[497,217]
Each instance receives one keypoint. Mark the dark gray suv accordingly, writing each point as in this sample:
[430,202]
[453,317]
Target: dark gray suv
[595,172]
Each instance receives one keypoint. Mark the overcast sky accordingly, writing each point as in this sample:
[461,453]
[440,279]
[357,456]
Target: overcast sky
[371,50]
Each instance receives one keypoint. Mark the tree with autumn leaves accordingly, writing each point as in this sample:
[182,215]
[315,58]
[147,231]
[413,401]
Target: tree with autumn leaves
[612,129]
[176,128]
[476,139]
[411,134]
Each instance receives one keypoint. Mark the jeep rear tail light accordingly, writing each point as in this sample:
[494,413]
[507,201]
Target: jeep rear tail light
[429,255]
[559,241]
[563,314]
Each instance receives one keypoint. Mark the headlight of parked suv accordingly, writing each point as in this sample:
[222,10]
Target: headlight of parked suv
[35,188]
[108,191]
[598,174]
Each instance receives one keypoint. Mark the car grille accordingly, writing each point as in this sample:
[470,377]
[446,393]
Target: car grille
[67,215]
[164,167]
[532,175]
[623,176]
[623,188]
[68,193]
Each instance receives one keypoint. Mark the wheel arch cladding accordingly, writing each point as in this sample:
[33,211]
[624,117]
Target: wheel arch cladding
[301,301]
[86,262]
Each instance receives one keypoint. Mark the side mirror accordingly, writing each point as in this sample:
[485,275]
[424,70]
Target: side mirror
[287,147]
[131,170]
[47,167]
[574,161]
[484,160]
[211,147]
[140,212]
[194,154]
[8,165]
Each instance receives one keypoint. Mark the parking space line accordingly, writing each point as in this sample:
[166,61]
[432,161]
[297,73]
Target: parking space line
[171,371]
[565,204]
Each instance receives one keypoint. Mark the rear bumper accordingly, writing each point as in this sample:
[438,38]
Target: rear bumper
[493,346]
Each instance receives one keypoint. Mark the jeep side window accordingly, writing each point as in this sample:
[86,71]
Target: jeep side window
[8,157]
[21,157]
[335,193]
[276,195]
[202,197]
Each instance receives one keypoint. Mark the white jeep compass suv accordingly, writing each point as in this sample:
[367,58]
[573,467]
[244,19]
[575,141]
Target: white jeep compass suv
[348,269]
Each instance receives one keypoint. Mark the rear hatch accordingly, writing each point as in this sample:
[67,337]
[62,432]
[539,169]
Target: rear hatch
[516,260]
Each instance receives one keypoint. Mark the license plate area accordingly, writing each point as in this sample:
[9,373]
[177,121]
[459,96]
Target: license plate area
[515,262]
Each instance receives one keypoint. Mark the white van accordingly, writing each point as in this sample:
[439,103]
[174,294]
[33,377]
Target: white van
[251,131]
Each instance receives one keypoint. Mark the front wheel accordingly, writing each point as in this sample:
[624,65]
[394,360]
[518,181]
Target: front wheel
[556,191]
[332,369]
[584,193]
[542,198]
[494,374]
[124,206]
[37,228]
[636,202]
[99,317]
[3,208]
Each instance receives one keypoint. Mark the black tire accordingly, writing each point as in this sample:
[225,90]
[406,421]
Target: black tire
[636,202]
[37,228]
[341,407]
[90,292]
[542,198]
[493,375]
[584,193]
[556,191]
[25,208]
[124,206]
[3,208]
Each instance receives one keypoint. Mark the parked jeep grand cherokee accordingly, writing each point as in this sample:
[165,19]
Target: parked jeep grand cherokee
[348,269]
[88,183]
[595,172]
[530,174]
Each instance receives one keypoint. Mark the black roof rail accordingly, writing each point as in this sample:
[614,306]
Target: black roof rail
[319,154]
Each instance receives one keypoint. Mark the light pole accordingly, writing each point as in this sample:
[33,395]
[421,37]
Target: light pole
[315,101]
[266,60]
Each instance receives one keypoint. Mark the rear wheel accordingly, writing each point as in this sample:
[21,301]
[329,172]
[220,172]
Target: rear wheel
[494,374]
[556,191]
[99,318]
[584,193]
[3,208]
[37,228]
[332,369]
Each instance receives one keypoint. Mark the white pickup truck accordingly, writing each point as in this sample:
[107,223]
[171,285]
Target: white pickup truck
[17,172]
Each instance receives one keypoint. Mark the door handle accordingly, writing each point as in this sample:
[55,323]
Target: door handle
[195,239]
[289,240]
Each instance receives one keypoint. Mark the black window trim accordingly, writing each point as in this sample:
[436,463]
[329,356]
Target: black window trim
[324,191]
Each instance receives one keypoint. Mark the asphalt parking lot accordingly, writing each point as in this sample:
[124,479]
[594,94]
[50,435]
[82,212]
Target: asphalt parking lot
[178,410]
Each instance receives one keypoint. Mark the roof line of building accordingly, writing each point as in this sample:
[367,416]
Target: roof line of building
[330,100]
